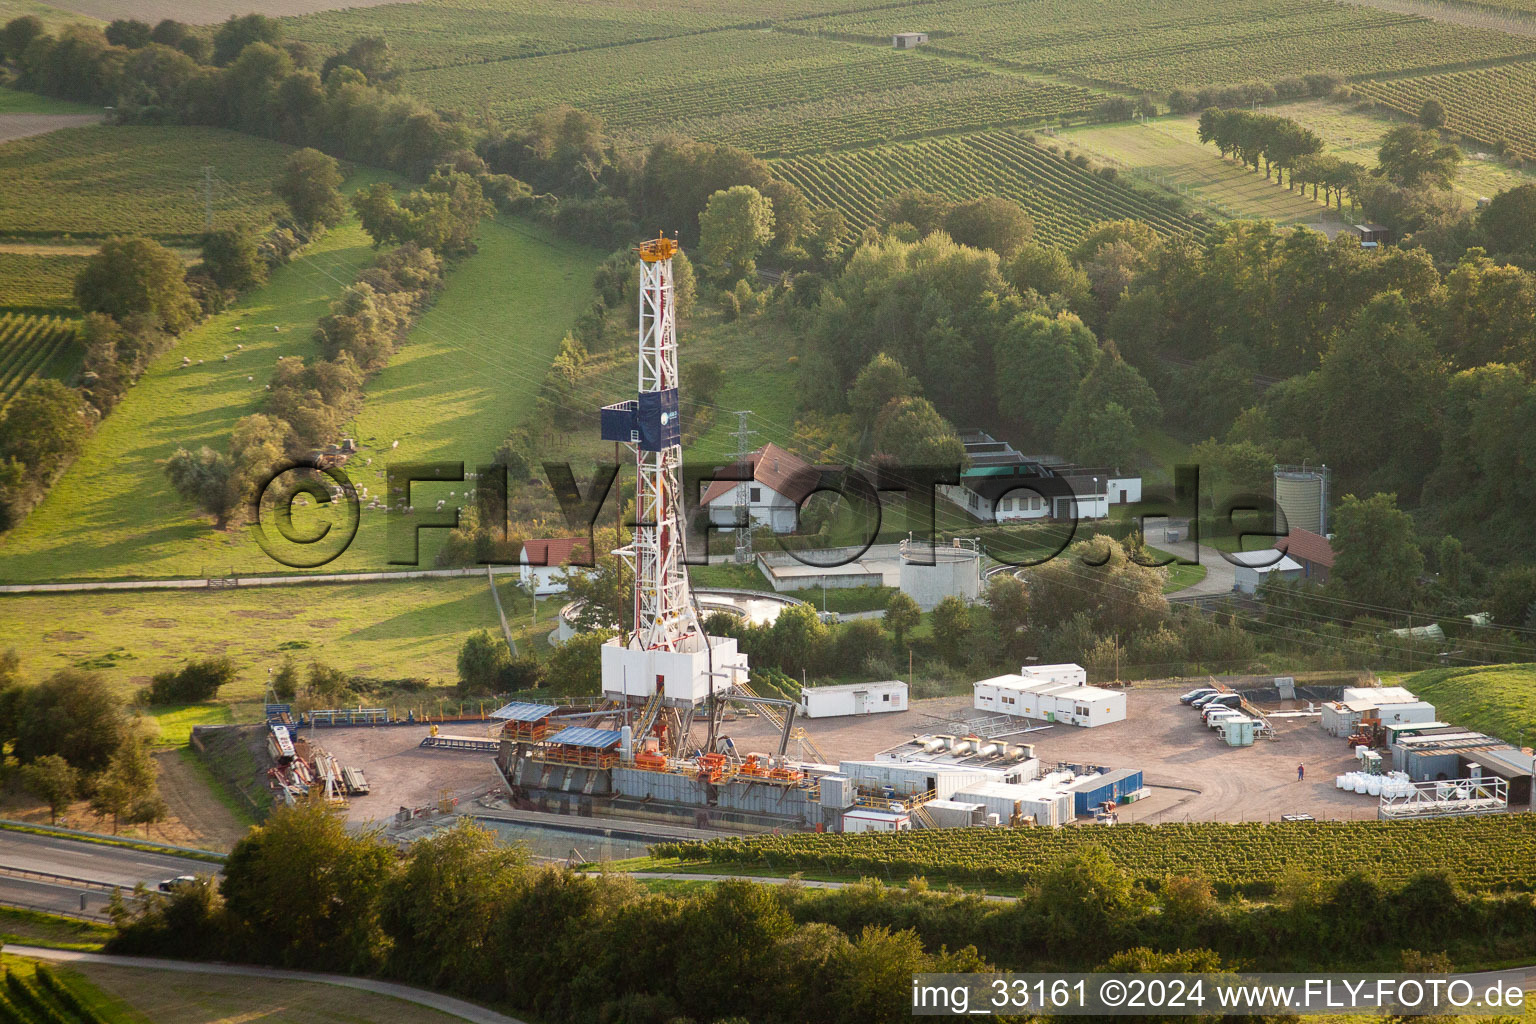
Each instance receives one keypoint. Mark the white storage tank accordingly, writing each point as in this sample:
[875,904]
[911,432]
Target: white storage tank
[930,574]
[1302,494]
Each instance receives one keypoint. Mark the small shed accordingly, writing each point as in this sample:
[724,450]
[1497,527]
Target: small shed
[908,40]
[853,699]
[864,819]
[1119,786]
[1371,235]
[1251,568]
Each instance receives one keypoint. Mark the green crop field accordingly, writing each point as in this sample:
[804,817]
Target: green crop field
[1168,44]
[99,180]
[36,281]
[1483,854]
[1499,700]
[462,380]
[1487,104]
[1062,198]
[34,346]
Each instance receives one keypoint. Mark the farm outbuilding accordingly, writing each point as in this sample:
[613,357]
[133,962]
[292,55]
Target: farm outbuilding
[1051,693]
[908,40]
[1251,568]
[853,699]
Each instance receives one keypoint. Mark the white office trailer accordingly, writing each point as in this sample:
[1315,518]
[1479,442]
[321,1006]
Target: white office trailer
[1050,693]
[864,819]
[853,699]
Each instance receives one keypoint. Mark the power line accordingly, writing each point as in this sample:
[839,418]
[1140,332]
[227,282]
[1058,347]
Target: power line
[743,511]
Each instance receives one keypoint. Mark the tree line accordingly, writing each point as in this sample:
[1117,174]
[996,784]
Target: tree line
[309,402]
[462,912]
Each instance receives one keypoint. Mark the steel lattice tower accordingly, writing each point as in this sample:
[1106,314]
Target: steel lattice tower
[664,613]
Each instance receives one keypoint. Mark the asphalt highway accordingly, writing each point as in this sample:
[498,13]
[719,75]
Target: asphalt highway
[70,865]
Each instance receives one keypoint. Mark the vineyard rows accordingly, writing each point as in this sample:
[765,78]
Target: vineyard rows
[1487,104]
[31,346]
[34,282]
[981,101]
[1062,198]
[1486,854]
[1164,44]
[99,180]
[644,90]
[444,33]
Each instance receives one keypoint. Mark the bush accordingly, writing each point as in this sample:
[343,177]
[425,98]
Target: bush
[196,682]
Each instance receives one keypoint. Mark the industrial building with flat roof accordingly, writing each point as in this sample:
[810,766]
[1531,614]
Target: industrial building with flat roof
[1002,484]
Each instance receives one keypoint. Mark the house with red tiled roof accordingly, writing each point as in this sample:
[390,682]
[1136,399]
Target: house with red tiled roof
[780,482]
[1312,551]
[542,562]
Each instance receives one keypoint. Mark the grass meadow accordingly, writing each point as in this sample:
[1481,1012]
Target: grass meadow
[463,379]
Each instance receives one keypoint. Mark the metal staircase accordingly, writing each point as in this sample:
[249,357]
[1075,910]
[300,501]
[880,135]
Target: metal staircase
[808,748]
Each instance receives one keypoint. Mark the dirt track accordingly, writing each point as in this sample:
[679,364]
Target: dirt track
[20,126]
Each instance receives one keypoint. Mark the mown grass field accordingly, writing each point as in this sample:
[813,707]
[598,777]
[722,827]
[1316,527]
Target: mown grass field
[463,379]
[469,371]
[134,995]
[1173,158]
[14,101]
[112,512]
[387,630]
[1355,134]
[1499,700]
[103,180]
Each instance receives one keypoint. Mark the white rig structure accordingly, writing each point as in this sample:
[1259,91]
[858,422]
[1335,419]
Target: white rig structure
[667,661]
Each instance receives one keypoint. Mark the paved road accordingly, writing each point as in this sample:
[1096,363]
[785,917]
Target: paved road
[96,862]
[684,876]
[202,583]
[421,997]
[1219,578]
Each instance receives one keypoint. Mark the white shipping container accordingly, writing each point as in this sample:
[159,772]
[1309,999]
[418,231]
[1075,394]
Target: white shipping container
[853,699]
